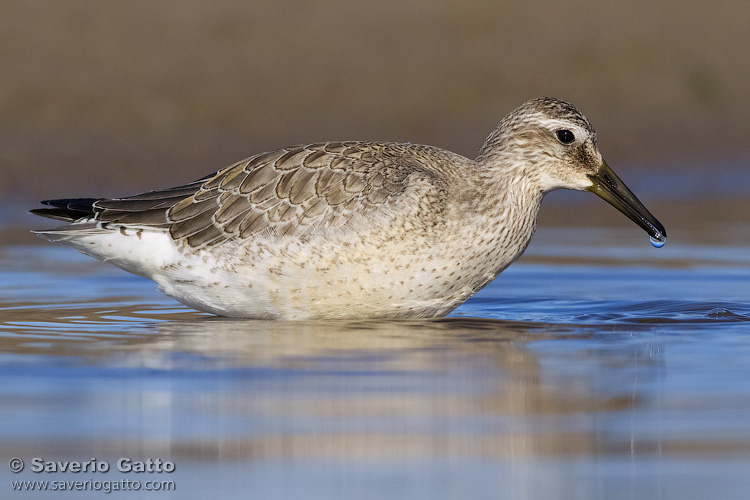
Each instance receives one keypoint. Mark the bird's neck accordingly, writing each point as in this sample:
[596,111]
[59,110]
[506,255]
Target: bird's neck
[509,202]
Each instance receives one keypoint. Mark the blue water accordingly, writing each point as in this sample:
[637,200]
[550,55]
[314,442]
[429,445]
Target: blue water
[596,367]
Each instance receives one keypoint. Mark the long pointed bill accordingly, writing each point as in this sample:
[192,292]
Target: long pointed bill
[611,189]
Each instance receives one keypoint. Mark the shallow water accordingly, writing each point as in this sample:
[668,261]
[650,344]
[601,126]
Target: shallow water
[596,367]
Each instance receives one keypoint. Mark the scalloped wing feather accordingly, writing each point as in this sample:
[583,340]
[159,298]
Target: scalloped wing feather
[284,192]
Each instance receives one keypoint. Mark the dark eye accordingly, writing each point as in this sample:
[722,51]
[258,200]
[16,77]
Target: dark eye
[565,136]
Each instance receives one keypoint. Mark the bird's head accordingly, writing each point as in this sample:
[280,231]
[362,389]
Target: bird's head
[552,146]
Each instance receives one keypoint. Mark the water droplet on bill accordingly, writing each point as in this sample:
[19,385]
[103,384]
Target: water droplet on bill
[658,242]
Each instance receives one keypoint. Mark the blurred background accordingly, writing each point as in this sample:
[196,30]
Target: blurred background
[108,98]
[596,367]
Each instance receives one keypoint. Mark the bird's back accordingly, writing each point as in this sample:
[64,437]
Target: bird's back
[287,192]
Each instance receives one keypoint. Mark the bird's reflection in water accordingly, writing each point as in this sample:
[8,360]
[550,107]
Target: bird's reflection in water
[374,389]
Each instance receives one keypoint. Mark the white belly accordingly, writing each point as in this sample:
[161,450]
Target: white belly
[337,275]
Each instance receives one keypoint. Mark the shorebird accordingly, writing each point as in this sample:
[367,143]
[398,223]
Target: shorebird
[350,229]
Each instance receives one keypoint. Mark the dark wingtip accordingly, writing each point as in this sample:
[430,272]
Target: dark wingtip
[66,209]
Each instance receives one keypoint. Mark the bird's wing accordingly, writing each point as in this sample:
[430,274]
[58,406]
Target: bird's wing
[289,191]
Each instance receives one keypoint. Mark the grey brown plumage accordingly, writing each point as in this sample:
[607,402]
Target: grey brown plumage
[283,192]
[350,229]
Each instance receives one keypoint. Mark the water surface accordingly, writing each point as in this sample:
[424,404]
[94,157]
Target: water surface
[596,367]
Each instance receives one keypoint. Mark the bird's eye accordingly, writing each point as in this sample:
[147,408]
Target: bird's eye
[565,136]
